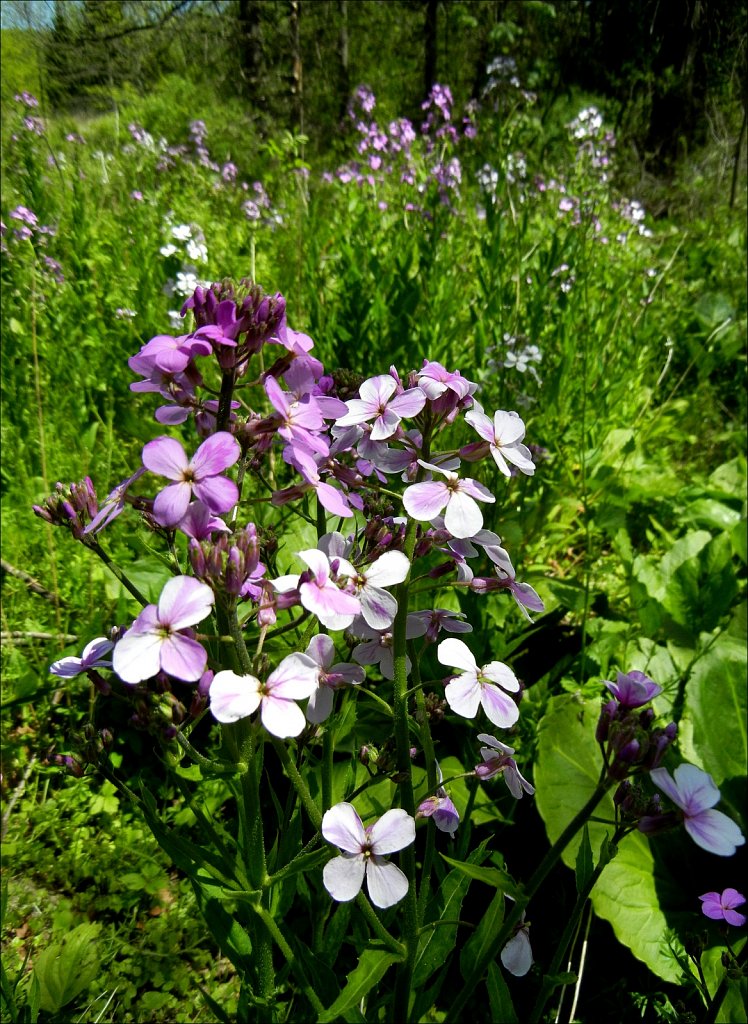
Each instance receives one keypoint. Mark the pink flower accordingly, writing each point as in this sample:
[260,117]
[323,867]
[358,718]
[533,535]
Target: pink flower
[321,651]
[721,906]
[92,657]
[462,518]
[363,853]
[694,792]
[166,457]
[497,760]
[233,696]
[155,642]
[376,403]
[378,606]
[319,591]
[479,686]
[504,435]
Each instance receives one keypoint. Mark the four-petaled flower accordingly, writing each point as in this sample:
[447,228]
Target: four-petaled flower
[694,792]
[479,686]
[376,403]
[498,760]
[233,696]
[155,642]
[633,689]
[363,851]
[167,457]
[330,677]
[463,517]
[720,906]
[504,436]
[92,657]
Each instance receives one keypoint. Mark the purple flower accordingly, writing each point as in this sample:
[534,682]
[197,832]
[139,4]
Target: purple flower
[25,215]
[694,792]
[497,760]
[516,956]
[379,607]
[319,592]
[113,504]
[376,403]
[479,686]
[463,517]
[633,689]
[363,853]
[504,436]
[431,621]
[330,677]
[92,657]
[233,696]
[440,808]
[154,642]
[166,457]
[377,646]
[721,906]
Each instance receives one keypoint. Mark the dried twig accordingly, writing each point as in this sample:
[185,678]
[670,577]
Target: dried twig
[28,636]
[31,583]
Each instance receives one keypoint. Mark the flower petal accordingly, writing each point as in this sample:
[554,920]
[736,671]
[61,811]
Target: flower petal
[464,696]
[390,568]
[295,678]
[342,826]
[499,673]
[516,956]
[165,457]
[425,501]
[500,709]
[219,493]
[282,718]
[456,654]
[463,517]
[171,504]
[183,602]
[319,707]
[394,830]
[183,657]
[233,696]
[215,454]
[385,881]
[715,832]
[378,607]
[137,656]
[343,876]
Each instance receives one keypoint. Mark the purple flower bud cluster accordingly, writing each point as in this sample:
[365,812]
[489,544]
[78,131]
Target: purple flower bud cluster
[72,507]
[626,730]
[229,564]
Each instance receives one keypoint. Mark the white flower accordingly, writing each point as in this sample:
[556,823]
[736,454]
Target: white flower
[363,854]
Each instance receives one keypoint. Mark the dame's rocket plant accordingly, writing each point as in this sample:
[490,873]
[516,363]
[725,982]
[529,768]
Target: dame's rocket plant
[269,632]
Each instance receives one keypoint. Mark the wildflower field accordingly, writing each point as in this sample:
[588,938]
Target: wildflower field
[374,560]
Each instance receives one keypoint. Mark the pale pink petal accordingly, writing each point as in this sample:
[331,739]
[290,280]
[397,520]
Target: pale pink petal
[715,832]
[343,877]
[486,754]
[320,704]
[215,454]
[394,830]
[172,503]
[500,460]
[425,501]
[219,493]
[516,956]
[332,500]
[500,708]
[463,517]
[464,696]
[322,650]
[480,422]
[696,788]
[409,403]
[377,391]
[520,456]
[390,568]
[277,397]
[184,601]
[456,654]
[334,608]
[282,718]
[378,607]
[233,697]
[508,429]
[498,672]
[476,490]
[358,412]
[385,881]
[341,825]
[137,656]
[166,457]
[384,425]
[317,561]
[183,658]
[295,678]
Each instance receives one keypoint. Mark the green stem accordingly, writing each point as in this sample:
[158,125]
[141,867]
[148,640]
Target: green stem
[571,927]
[528,891]
[277,937]
[114,568]
[314,813]
[377,927]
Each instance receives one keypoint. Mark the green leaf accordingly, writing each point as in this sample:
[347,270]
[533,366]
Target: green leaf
[584,866]
[437,943]
[373,964]
[566,774]
[494,877]
[483,938]
[65,969]
[499,999]
[712,731]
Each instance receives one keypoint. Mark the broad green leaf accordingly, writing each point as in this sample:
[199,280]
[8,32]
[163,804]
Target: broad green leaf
[566,773]
[373,964]
[482,941]
[64,969]
[713,729]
